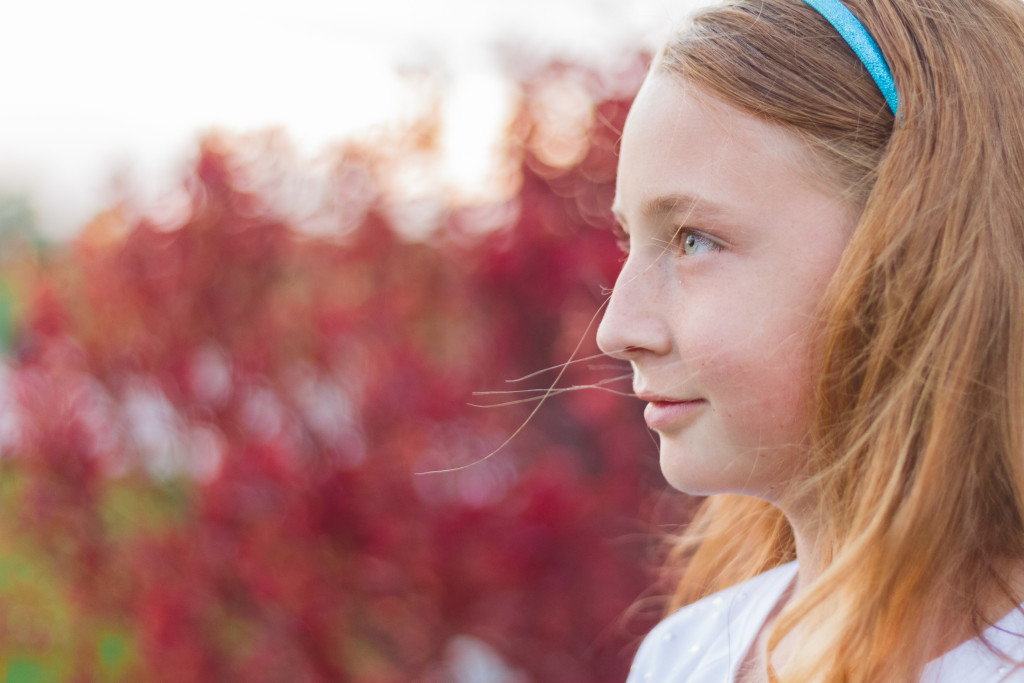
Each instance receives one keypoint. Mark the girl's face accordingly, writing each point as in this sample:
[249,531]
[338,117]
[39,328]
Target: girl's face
[732,241]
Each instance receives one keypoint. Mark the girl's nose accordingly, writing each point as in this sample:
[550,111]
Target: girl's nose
[634,321]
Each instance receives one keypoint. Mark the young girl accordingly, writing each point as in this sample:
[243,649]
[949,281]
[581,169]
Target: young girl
[823,306]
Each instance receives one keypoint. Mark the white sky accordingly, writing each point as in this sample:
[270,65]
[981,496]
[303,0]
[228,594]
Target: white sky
[96,87]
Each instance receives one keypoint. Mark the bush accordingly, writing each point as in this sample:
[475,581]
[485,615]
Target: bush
[225,424]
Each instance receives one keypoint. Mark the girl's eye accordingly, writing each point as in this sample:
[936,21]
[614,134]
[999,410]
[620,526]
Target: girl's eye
[695,243]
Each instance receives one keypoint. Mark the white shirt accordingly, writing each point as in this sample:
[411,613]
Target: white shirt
[706,642]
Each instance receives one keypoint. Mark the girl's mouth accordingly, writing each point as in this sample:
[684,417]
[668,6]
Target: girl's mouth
[662,414]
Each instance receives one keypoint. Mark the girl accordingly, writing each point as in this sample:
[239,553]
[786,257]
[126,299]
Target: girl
[823,306]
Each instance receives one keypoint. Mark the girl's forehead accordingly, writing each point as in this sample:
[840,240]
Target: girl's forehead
[678,133]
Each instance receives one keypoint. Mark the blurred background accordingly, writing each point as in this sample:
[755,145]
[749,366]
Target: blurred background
[297,312]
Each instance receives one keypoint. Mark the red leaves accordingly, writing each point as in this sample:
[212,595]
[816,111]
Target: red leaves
[268,399]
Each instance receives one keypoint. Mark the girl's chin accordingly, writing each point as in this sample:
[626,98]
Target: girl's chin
[700,478]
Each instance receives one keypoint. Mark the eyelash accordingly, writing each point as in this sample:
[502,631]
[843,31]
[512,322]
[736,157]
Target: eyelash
[682,237]
[621,239]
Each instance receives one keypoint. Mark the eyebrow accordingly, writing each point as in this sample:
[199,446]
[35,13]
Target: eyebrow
[661,206]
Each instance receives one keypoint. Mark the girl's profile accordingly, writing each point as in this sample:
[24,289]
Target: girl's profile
[822,301]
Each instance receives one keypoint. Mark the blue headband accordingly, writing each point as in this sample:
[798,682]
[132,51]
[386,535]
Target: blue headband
[858,38]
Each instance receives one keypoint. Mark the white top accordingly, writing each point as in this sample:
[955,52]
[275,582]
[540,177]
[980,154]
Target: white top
[705,642]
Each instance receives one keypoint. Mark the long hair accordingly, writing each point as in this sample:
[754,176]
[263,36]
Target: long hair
[917,436]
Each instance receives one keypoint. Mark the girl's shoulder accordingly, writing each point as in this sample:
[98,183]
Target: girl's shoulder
[706,640]
[985,659]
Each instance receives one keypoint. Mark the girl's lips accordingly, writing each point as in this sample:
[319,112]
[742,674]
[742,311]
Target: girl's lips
[663,414]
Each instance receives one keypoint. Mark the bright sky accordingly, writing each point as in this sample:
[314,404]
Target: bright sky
[103,86]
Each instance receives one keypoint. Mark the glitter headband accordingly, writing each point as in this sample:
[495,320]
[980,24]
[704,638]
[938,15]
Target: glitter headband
[865,47]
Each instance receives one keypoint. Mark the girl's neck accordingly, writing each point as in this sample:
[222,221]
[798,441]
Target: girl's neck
[806,524]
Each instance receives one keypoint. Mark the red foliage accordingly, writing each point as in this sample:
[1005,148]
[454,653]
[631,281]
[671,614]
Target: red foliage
[293,389]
